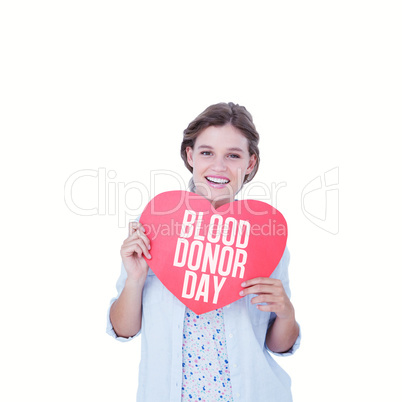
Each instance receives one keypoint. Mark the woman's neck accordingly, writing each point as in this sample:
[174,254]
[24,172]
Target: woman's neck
[218,202]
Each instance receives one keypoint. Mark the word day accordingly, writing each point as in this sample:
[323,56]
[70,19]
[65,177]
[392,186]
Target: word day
[219,252]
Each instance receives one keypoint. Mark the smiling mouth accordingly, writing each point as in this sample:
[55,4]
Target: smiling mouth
[217,180]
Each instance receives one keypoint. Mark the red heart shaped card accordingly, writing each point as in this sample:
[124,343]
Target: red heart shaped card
[202,254]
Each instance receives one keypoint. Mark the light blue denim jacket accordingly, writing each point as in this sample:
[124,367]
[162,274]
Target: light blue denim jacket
[255,375]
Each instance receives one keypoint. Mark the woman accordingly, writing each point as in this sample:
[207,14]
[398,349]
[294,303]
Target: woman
[223,355]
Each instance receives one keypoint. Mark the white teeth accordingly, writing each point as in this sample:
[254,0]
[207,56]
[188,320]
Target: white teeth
[218,181]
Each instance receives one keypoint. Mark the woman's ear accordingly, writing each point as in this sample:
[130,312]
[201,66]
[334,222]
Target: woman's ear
[189,152]
[253,161]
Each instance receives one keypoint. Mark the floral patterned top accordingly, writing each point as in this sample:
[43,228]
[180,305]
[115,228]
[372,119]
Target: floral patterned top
[206,375]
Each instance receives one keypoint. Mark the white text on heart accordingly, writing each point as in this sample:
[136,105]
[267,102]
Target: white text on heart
[197,250]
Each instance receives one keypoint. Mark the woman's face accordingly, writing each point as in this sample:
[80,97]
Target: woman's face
[220,160]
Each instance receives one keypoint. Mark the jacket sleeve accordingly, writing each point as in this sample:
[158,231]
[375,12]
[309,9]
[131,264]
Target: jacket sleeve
[119,286]
[281,272]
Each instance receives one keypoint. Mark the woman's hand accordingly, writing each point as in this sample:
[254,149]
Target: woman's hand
[282,334]
[126,311]
[133,250]
[271,292]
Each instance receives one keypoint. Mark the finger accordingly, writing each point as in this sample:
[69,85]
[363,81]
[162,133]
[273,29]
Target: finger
[141,235]
[270,299]
[263,280]
[279,309]
[260,289]
[138,226]
[140,250]
[138,231]
[143,248]
[138,237]
[268,308]
[132,250]
[134,245]
[133,226]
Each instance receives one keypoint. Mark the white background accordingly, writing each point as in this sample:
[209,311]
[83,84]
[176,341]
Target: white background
[97,84]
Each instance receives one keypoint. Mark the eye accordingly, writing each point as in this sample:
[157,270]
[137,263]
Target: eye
[206,153]
[234,156]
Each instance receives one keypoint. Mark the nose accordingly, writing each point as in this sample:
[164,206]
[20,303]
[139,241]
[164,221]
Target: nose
[219,164]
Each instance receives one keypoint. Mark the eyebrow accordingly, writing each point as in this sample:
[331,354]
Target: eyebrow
[233,149]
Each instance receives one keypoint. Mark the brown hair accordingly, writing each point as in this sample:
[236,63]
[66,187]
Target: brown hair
[219,115]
